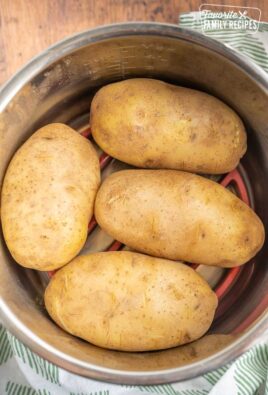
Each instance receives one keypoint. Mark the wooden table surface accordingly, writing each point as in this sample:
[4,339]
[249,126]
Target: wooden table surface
[29,26]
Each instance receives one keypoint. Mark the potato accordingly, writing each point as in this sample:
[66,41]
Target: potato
[148,123]
[48,196]
[178,215]
[132,302]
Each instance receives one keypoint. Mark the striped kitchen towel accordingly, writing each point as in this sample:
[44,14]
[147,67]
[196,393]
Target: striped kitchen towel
[24,373]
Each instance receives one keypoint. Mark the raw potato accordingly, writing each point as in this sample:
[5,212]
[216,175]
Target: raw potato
[48,197]
[152,124]
[132,302]
[178,215]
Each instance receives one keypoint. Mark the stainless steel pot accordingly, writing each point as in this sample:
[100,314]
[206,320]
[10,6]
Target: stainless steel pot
[58,86]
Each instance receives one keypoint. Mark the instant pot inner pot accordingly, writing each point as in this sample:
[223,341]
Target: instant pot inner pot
[61,92]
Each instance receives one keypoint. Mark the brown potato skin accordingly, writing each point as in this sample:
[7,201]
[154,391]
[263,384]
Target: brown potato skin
[48,197]
[132,302]
[178,215]
[151,124]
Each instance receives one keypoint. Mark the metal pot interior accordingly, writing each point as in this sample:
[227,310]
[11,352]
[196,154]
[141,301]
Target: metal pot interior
[57,87]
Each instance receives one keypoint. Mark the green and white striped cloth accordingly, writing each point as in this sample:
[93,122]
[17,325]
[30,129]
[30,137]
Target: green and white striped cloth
[24,373]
